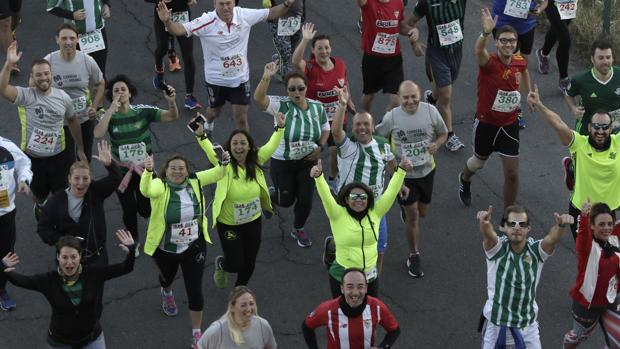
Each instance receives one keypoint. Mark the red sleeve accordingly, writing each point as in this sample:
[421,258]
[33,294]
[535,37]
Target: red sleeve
[318,317]
[583,243]
[387,319]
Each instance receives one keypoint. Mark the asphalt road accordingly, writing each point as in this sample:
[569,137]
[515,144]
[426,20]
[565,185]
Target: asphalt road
[440,310]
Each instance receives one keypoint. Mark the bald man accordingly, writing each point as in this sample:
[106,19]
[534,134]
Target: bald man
[417,130]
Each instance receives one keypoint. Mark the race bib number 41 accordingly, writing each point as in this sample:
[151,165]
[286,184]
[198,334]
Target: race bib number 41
[506,101]
[91,41]
[184,233]
[450,33]
[288,26]
[385,43]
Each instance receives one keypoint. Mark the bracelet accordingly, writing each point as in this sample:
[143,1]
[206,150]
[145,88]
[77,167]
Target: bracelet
[563,225]
[484,35]
[276,128]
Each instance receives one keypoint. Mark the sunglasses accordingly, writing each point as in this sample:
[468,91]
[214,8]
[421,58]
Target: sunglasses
[361,196]
[598,126]
[299,88]
[505,41]
[512,224]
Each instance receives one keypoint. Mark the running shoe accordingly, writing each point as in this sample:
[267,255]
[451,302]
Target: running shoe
[329,251]
[158,81]
[173,62]
[564,84]
[195,339]
[414,267]
[191,103]
[521,120]
[6,302]
[464,191]
[543,62]
[454,143]
[569,173]
[428,97]
[220,276]
[168,305]
[302,238]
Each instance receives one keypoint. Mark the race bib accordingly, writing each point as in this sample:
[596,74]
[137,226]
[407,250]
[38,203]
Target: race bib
[416,153]
[134,153]
[301,149]
[244,212]
[180,17]
[43,142]
[288,26]
[506,101]
[517,8]
[232,66]
[184,233]
[6,177]
[330,109]
[91,41]
[612,289]
[371,274]
[450,33]
[79,104]
[567,8]
[385,43]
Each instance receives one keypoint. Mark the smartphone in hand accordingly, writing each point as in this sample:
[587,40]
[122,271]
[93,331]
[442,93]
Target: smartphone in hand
[195,122]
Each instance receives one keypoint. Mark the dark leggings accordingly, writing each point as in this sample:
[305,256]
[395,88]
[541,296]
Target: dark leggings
[192,262]
[133,203]
[240,244]
[7,239]
[293,184]
[334,286]
[558,31]
[187,52]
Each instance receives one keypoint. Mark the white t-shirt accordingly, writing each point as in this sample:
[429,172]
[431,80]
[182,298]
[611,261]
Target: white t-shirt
[258,335]
[224,46]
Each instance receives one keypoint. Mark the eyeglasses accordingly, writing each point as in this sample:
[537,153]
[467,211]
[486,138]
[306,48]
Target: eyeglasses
[299,88]
[598,126]
[512,224]
[355,196]
[505,41]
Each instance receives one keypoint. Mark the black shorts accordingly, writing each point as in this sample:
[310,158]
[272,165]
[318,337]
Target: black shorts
[420,189]
[9,8]
[218,95]
[501,139]
[49,174]
[443,65]
[382,73]
[525,41]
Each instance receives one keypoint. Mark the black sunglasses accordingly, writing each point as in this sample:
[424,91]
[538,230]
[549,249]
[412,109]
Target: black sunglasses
[598,126]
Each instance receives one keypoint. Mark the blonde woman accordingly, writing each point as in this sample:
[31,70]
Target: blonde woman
[240,327]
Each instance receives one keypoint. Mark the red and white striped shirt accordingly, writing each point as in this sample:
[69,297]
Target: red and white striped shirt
[351,333]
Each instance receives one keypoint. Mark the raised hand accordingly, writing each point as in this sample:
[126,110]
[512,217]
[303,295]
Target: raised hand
[271,69]
[484,217]
[563,219]
[586,206]
[115,104]
[317,169]
[125,239]
[307,31]
[343,94]
[225,158]
[10,261]
[104,151]
[163,12]
[280,120]
[488,22]
[148,162]
[12,56]
[170,93]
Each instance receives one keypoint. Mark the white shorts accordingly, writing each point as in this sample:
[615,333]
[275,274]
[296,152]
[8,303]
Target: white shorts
[530,336]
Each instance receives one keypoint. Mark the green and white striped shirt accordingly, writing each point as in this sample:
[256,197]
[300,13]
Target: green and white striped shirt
[183,207]
[512,280]
[364,163]
[303,127]
[93,20]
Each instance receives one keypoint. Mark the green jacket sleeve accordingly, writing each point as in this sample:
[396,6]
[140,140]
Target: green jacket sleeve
[265,152]
[211,175]
[332,209]
[207,147]
[149,187]
[382,206]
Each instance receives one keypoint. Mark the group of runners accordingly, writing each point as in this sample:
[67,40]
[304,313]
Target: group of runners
[63,112]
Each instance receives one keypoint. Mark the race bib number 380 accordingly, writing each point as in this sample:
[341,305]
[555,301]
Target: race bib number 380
[506,101]
[91,41]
